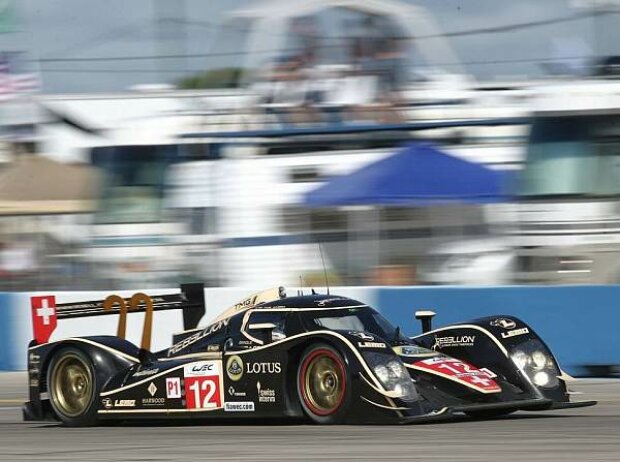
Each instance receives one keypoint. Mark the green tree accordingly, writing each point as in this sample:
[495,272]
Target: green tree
[226,77]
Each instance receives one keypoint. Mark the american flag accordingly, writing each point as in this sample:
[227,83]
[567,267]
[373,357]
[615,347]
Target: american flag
[13,84]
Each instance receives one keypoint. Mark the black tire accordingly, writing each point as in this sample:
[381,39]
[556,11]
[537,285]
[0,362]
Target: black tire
[73,387]
[323,385]
[489,414]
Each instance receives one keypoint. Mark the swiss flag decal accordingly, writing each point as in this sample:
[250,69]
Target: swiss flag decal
[43,317]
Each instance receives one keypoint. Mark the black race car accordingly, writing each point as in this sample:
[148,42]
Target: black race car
[325,358]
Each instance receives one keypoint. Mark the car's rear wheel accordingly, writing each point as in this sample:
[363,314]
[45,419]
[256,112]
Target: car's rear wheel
[323,384]
[72,387]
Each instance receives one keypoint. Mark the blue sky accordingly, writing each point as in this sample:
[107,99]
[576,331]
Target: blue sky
[113,28]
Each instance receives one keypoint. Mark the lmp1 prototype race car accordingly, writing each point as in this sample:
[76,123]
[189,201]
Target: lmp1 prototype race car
[328,359]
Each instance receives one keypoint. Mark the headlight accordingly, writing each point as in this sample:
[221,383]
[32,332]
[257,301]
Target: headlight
[393,375]
[382,373]
[539,359]
[520,359]
[398,369]
[541,379]
[533,361]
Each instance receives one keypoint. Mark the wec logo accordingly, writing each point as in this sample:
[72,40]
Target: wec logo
[202,368]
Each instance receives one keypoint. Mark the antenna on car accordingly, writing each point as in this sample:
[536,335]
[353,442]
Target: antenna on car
[324,269]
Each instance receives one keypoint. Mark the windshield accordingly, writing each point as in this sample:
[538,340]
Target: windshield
[353,319]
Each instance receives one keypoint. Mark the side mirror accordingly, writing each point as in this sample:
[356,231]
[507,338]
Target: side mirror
[265,330]
[426,319]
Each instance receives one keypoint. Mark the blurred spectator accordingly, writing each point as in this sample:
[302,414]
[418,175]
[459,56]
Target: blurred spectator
[305,32]
[378,54]
[290,99]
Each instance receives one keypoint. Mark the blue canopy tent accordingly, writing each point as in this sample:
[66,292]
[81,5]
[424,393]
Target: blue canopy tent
[417,175]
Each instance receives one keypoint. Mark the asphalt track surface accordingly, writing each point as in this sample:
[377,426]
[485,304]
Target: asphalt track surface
[588,434]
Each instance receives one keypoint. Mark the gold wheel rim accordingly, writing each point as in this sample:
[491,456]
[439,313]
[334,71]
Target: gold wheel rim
[72,385]
[323,384]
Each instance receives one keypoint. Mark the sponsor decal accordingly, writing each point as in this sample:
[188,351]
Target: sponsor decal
[200,368]
[152,389]
[213,348]
[215,327]
[34,364]
[265,395]
[371,345]
[233,392]
[124,403]
[247,303]
[173,387]
[197,336]
[145,372]
[234,368]
[458,341]
[503,323]
[263,368]
[202,384]
[153,401]
[461,372]
[362,335]
[514,333]
[107,403]
[239,406]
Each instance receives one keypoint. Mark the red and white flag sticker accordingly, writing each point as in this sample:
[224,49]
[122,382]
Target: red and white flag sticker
[43,309]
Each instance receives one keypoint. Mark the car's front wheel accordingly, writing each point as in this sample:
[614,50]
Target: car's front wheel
[323,384]
[72,387]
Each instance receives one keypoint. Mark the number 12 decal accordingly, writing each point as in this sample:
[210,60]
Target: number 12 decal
[458,368]
[203,392]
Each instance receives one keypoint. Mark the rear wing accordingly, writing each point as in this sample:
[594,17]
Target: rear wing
[46,313]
